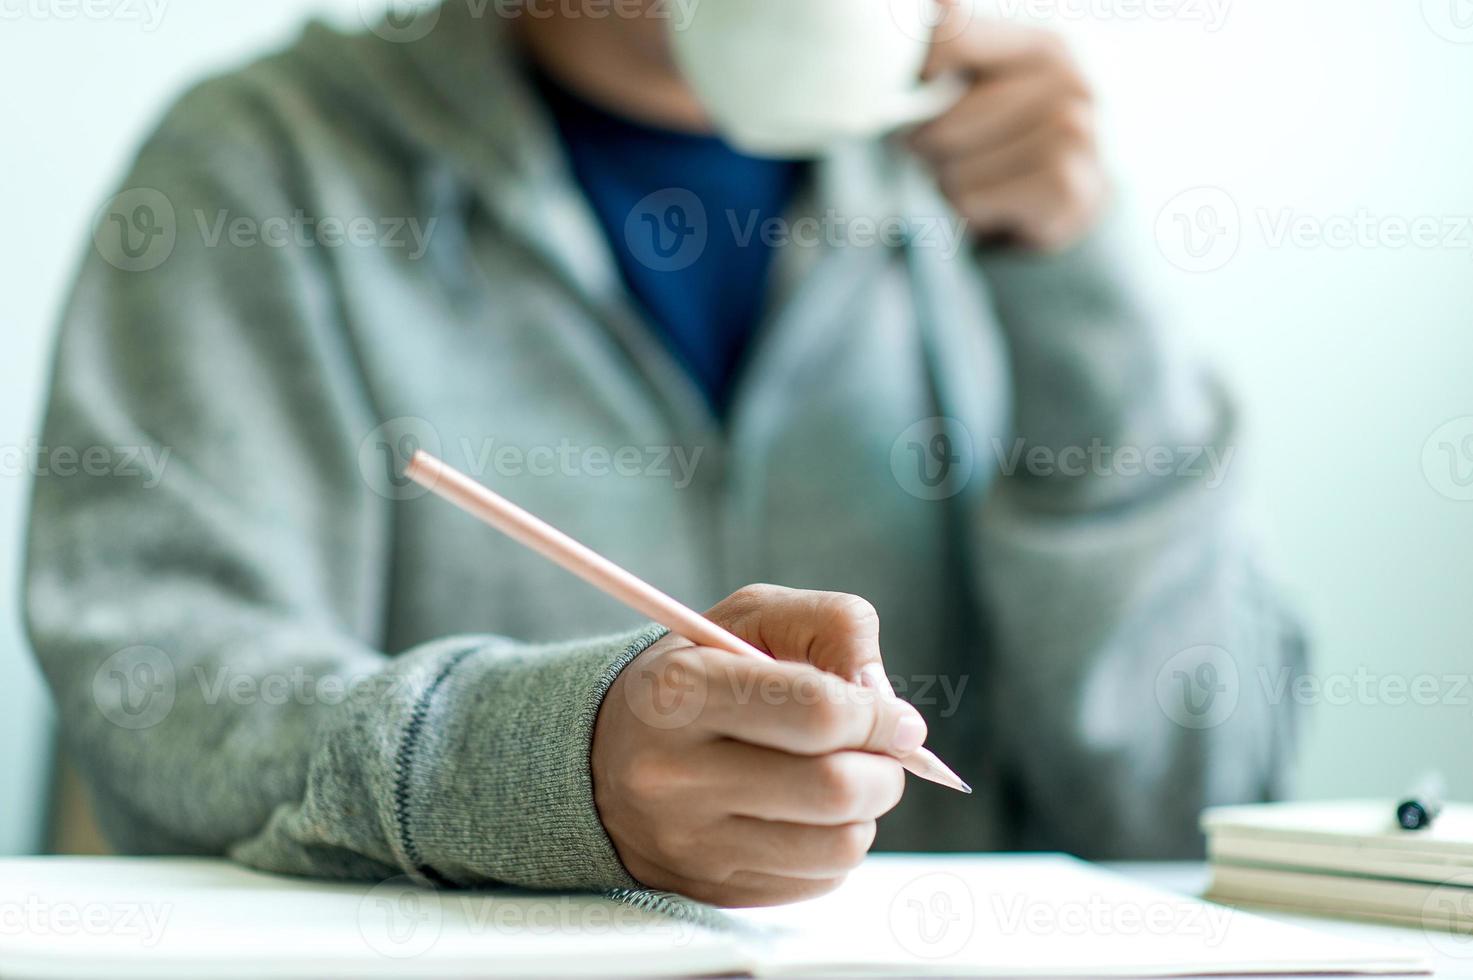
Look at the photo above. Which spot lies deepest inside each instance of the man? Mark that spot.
(278, 651)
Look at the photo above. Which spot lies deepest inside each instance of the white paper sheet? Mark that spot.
(121, 918)
(1039, 915)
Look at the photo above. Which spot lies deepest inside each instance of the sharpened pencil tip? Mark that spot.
(925, 763)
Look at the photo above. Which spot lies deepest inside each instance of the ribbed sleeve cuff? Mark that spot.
(492, 777)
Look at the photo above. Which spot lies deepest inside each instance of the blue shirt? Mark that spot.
(684, 215)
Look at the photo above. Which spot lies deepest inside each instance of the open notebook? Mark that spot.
(997, 916)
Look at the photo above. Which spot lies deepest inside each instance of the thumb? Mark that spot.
(898, 728)
(858, 716)
(838, 634)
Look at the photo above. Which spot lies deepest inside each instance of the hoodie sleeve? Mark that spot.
(1138, 646)
(206, 598)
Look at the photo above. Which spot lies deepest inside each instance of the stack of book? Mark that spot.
(1345, 859)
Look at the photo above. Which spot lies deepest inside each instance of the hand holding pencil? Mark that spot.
(730, 774)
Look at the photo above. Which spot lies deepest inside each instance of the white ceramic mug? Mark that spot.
(791, 77)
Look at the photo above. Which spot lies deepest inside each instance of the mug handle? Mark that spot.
(926, 101)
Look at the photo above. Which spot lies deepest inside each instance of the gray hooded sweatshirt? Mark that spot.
(264, 643)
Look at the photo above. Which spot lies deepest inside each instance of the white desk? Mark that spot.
(1449, 955)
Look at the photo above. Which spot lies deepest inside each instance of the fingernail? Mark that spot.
(910, 733)
(873, 677)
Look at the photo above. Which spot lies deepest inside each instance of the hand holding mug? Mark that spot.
(1016, 155)
(1003, 115)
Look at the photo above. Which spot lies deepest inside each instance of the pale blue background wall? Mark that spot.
(1350, 357)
